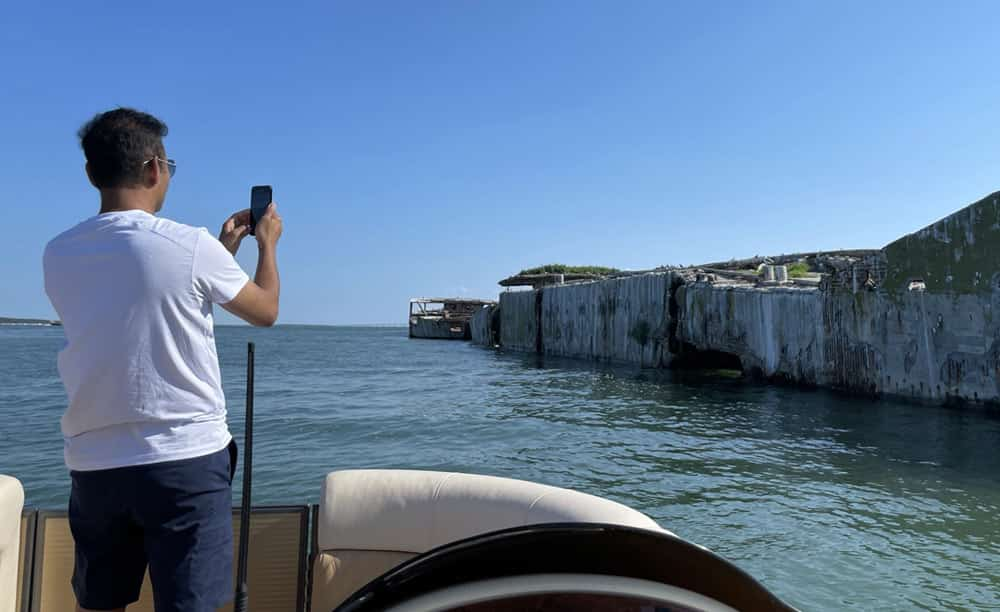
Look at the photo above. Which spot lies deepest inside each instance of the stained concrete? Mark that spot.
(937, 347)
(916, 345)
(957, 254)
(775, 331)
(482, 326)
(519, 329)
(437, 328)
(915, 319)
(618, 320)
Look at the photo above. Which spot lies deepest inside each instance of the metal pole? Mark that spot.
(240, 605)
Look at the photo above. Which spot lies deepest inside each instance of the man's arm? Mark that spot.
(257, 302)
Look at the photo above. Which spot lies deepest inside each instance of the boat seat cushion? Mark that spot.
(371, 520)
(11, 505)
(415, 511)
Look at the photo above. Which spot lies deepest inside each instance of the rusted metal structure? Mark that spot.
(443, 318)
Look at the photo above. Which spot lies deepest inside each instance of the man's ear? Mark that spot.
(151, 174)
(90, 177)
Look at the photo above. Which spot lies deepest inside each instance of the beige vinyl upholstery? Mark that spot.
(11, 505)
(27, 549)
(339, 573)
(372, 520)
(275, 572)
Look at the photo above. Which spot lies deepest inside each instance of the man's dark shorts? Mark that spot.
(175, 515)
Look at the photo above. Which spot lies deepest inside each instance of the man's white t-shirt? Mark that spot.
(135, 295)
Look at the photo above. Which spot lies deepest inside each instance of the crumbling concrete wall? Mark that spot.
(775, 331)
(519, 327)
(915, 344)
(434, 329)
(620, 320)
(868, 327)
(481, 326)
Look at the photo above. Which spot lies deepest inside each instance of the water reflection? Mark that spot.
(721, 403)
(878, 491)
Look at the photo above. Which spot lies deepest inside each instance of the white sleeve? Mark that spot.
(215, 273)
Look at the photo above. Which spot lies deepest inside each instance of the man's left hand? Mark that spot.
(234, 229)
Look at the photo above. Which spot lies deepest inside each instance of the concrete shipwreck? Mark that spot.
(443, 318)
(918, 319)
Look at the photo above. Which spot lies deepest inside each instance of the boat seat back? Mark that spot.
(11, 505)
(372, 520)
(276, 571)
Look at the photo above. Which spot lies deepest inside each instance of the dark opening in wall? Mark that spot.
(673, 311)
(494, 327)
(691, 358)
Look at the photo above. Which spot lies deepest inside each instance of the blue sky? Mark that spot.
(428, 148)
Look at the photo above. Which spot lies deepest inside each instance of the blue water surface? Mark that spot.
(833, 502)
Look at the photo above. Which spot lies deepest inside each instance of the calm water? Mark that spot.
(834, 503)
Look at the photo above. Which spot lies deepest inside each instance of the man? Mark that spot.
(150, 456)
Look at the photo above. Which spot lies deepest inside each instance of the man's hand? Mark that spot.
(234, 229)
(268, 229)
(257, 302)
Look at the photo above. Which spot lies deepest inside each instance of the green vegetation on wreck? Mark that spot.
(564, 269)
(795, 270)
(798, 269)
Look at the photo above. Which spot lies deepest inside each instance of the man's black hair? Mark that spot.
(117, 143)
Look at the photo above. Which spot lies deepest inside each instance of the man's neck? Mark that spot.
(117, 200)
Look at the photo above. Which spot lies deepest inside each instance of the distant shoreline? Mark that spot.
(16, 321)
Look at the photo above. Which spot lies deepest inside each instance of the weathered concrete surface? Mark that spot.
(519, 329)
(916, 319)
(776, 331)
(481, 326)
(919, 345)
(958, 254)
(915, 344)
(621, 320)
(438, 328)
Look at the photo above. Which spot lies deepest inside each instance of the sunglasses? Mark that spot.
(171, 164)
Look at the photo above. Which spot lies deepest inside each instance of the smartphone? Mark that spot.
(260, 197)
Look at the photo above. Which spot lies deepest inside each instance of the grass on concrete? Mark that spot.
(564, 269)
(798, 269)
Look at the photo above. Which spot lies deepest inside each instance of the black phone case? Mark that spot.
(257, 212)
